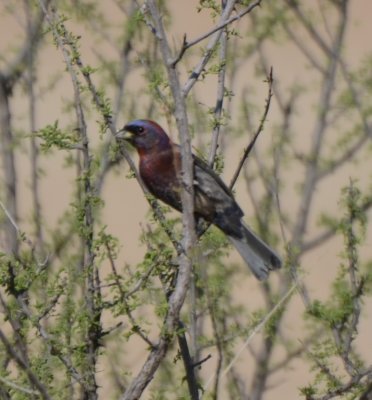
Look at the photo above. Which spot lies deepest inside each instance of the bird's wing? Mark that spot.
(206, 181)
(203, 169)
(214, 201)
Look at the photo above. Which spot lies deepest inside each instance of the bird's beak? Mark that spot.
(123, 134)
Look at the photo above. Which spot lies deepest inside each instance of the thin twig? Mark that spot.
(218, 109)
(257, 329)
(319, 133)
(53, 346)
(223, 23)
(24, 366)
(197, 70)
(259, 130)
(17, 387)
(202, 361)
(10, 218)
(123, 296)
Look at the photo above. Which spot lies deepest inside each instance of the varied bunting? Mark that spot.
(160, 169)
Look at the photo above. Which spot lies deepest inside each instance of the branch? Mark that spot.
(329, 233)
(177, 298)
(92, 292)
(345, 388)
(314, 33)
(259, 130)
(24, 366)
(9, 165)
(106, 163)
(52, 345)
(219, 100)
(124, 296)
(16, 67)
(209, 49)
(188, 363)
(17, 387)
(256, 329)
(318, 135)
(34, 153)
(223, 23)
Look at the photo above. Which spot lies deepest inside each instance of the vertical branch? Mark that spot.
(220, 94)
(229, 7)
(188, 362)
(93, 292)
(195, 324)
(92, 295)
(187, 194)
(9, 166)
(344, 333)
(319, 130)
(8, 79)
(86, 195)
(30, 79)
(258, 132)
(177, 298)
(219, 344)
(126, 50)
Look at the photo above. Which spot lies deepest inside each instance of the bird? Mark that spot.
(160, 169)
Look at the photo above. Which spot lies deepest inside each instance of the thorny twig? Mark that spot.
(92, 290)
(259, 130)
(124, 299)
(24, 366)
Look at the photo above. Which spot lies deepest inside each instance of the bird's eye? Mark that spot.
(140, 129)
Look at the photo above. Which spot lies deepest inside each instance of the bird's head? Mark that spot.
(144, 135)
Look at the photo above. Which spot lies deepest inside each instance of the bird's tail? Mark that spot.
(256, 253)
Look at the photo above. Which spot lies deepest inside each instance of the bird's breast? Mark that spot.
(162, 179)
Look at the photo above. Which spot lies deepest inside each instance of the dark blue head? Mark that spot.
(144, 135)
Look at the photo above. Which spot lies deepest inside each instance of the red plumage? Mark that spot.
(160, 169)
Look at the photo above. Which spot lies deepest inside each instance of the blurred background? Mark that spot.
(306, 182)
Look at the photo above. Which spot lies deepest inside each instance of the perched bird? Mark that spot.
(160, 169)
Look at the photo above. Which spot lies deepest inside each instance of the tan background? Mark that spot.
(125, 208)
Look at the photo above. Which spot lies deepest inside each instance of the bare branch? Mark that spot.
(259, 130)
(123, 297)
(197, 70)
(219, 98)
(223, 23)
(257, 329)
(17, 387)
(188, 363)
(319, 132)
